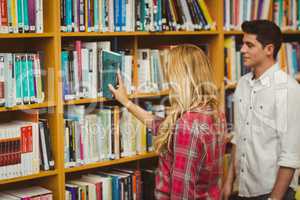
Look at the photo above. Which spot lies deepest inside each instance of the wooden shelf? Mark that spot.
(111, 162)
(233, 33)
(89, 34)
(84, 101)
(28, 106)
(26, 35)
(239, 32)
(291, 32)
(102, 99)
(30, 177)
(147, 95)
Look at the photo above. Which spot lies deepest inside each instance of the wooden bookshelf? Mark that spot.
(83, 34)
(27, 35)
(111, 162)
(42, 174)
(28, 106)
(51, 43)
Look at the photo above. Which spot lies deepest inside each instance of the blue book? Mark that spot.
(31, 85)
(111, 62)
(96, 15)
(24, 78)
(26, 15)
(69, 15)
(65, 74)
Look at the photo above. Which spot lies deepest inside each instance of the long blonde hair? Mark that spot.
(189, 73)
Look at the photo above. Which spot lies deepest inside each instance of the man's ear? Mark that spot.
(269, 49)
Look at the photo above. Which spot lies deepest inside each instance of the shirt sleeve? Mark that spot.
(188, 154)
(155, 125)
(287, 120)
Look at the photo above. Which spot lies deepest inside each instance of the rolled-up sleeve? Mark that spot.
(288, 125)
(155, 125)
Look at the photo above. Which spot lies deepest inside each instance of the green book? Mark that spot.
(24, 78)
(20, 16)
(32, 93)
(112, 62)
(26, 15)
(18, 73)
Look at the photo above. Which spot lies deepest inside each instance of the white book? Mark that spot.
(30, 192)
(127, 74)
(85, 72)
(75, 75)
(143, 70)
(3, 66)
(44, 155)
(111, 25)
(4, 196)
(92, 68)
(189, 23)
(75, 24)
(104, 45)
(106, 184)
(89, 188)
(39, 16)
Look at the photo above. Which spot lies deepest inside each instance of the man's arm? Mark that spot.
(284, 178)
(287, 118)
(228, 184)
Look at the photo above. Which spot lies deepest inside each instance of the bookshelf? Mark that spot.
(51, 43)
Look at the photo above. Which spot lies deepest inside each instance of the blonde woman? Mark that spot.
(190, 140)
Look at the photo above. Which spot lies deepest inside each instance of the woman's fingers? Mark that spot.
(111, 88)
(119, 78)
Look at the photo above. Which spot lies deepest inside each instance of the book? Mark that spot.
(112, 62)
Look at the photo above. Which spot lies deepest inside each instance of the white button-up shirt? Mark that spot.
(267, 130)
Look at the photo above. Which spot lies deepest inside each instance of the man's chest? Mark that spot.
(256, 100)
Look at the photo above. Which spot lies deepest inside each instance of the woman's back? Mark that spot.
(193, 166)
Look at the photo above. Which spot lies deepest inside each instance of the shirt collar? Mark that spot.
(265, 78)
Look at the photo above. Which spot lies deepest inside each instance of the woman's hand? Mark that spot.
(120, 93)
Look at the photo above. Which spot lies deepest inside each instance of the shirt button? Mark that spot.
(250, 107)
(244, 139)
(247, 123)
(254, 91)
(242, 170)
(243, 155)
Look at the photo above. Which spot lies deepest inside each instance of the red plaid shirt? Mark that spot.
(193, 168)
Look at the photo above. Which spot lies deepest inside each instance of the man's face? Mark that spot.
(252, 50)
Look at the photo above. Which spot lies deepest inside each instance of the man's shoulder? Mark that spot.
(243, 80)
(281, 78)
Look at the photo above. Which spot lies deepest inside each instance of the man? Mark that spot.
(266, 144)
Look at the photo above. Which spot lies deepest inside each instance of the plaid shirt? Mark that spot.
(193, 168)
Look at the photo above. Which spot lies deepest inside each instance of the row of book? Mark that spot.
(25, 148)
(286, 14)
(97, 134)
(115, 184)
(20, 79)
(288, 59)
(238, 11)
(20, 16)
(28, 193)
(88, 68)
(134, 15)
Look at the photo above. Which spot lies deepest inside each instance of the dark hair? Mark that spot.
(267, 32)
